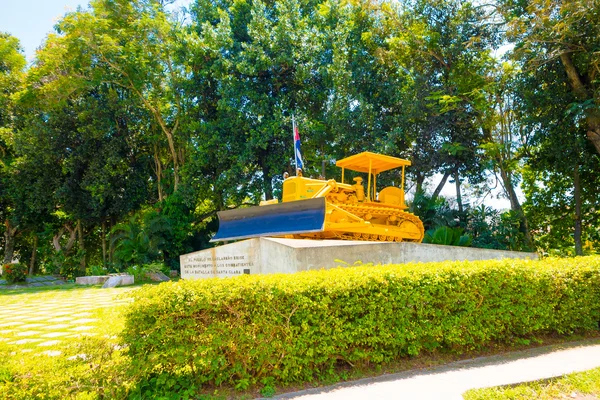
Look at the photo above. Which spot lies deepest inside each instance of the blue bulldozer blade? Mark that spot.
(288, 218)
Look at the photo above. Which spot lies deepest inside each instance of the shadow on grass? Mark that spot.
(65, 287)
(38, 289)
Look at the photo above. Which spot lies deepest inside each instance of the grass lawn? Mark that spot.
(42, 317)
(578, 386)
(60, 342)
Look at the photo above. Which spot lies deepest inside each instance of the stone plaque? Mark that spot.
(223, 261)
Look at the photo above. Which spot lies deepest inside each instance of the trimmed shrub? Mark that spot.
(294, 328)
(14, 273)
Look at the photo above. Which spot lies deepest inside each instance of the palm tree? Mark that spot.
(138, 241)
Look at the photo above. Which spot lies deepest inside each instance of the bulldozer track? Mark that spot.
(366, 237)
(401, 217)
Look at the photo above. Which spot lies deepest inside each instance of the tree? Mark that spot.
(82, 149)
(555, 46)
(445, 47)
(365, 95)
(563, 211)
(256, 63)
(132, 45)
(506, 138)
(12, 64)
(561, 182)
(554, 33)
(128, 111)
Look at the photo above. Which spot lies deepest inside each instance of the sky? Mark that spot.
(31, 20)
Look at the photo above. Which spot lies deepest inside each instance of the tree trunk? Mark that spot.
(578, 224)
(33, 255)
(593, 133)
(103, 241)
(170, 140)
(458, 194)
(268, 188)
(81, 247)
(440, 185)
(56, 239)
(515, 205)
(509, 190)
(581, 92)
(169, 132)
(72, 236)
(9, 242)
(111, 245)
(158, 171)
(267, 177)
(419, 180)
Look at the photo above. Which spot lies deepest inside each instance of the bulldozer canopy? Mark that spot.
(377, 162)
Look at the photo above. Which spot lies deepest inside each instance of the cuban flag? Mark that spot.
(298, 155)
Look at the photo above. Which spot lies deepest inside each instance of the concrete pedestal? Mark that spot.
(110, 280)
(91, 280)
(274, 255)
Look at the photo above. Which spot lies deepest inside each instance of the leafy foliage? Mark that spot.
(294, 328)
(66, 265)
(14, 273)
(12, 64)
(433, 211)
(447, 236)
(140, 272)
(139, 241)
(555, 35)
(492, 229)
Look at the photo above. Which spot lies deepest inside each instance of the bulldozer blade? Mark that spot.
(288, 218)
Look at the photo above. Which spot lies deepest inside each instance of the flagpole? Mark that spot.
(294, 144)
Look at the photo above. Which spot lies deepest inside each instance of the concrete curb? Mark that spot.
(451, 380)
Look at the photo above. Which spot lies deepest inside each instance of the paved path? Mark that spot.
(36, 281)
(450, 381)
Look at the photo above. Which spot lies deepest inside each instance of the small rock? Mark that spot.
(127, 280)
(157, 277)
(118, 280)
(113, 281)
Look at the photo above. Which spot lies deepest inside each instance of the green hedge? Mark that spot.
(295, 328)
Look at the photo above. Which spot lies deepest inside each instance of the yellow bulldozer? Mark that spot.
(326, 209)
